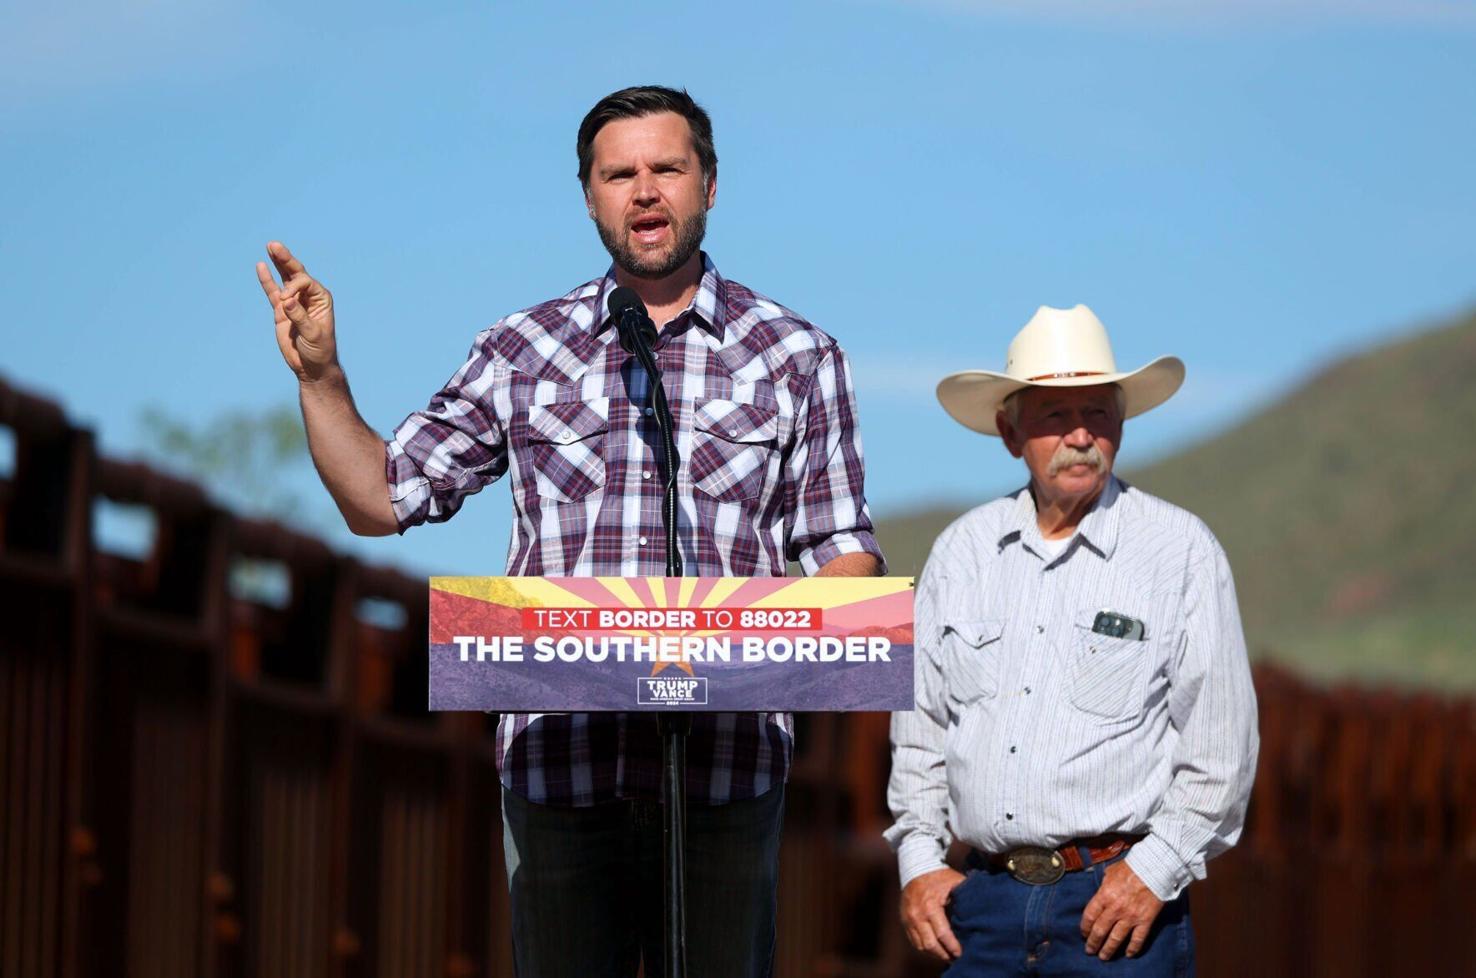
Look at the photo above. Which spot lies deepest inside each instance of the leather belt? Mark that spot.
(1039, 866)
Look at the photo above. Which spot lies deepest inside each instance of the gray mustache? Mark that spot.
(1067, 455)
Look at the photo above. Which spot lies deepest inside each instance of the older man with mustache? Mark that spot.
(1085, 718)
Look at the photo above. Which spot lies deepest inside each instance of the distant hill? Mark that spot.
(1348, 509)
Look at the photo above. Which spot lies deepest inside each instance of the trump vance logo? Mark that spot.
(674, 691)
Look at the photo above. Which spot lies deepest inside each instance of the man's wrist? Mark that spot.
(838, 545)
(1159, 867)
(858, 564)
(331, 377)
(918, 855)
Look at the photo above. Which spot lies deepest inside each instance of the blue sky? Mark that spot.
(1255, 187)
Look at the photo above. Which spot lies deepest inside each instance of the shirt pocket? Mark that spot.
(1107, 674)
(731, 445)
(566, 444)
(971, 653)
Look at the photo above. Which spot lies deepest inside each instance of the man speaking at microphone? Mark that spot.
(770, 471)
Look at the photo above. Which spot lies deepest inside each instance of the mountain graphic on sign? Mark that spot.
(896, 634)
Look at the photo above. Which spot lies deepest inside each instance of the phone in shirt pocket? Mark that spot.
(1110, 660)
(971, 658)
(566, 446)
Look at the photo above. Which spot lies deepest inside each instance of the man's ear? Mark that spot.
(589, 204)
(711, 189)
(1009, 434)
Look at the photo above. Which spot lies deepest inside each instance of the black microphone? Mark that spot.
(637, 333)
(637, 336)
(631, 318)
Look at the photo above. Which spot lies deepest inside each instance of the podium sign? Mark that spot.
(577, 644)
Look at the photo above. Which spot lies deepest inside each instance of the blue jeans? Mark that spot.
(1011, 928)
(586, 887)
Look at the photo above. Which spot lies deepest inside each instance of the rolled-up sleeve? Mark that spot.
(457, 445)
(917, 791)
(1212, 705)
(825, 475)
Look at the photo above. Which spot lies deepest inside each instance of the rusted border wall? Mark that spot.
(195, 784)
(200, 785)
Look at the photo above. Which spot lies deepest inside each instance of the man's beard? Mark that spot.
(687, 236)
(1066, 455)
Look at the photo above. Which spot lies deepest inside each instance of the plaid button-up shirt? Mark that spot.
(771, 471)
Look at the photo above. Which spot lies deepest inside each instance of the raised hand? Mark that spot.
(303, 312)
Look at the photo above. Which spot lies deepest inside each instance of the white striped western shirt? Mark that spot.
(1032, 729)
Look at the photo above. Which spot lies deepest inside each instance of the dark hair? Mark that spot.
(642, 100)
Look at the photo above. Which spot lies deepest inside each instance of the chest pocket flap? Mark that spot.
(732, 444)
(564, 424)
(971, 654)
(566, 447)
(736, 421)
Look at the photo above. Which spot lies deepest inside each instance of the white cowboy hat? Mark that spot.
(1057, 348)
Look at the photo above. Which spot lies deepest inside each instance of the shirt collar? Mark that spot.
(1098, 529)
(708, 308)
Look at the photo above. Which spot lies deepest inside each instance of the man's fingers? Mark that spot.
(298, 316)
(938, 920)
(921, 937)
(1091, 913)
(1139, 938)
(268, 284)
(1118, 934)
(929, 944)
(287, 265)
(298, 284)
(1101, 927)
(929, 932)
(923, 915)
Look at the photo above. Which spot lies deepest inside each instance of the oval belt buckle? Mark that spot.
(1034, 865)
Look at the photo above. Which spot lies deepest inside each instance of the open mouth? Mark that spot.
(650, 229)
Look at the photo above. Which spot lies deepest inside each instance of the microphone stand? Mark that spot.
(674, 727)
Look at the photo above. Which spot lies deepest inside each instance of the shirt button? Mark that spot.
(1027, 690)
(650, 411)
(566, 436)
(733, 432)
(1013, 749)
(643, 541)
(645, 475)
(1009, 816)
(1040, 629)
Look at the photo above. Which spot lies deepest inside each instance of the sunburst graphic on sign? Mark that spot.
(533, 645)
